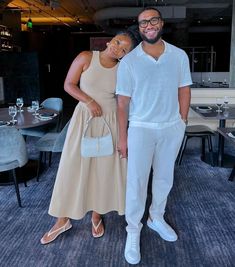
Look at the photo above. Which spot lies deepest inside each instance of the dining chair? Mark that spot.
(54, 103)
(200, 131)
(52, 143)
(13, 153)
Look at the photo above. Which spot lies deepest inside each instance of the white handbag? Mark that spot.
(96, 146)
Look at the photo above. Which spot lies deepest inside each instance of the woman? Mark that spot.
(90, 184)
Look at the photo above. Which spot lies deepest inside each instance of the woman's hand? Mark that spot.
(95, 108)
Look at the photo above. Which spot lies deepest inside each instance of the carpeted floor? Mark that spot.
(201, 207)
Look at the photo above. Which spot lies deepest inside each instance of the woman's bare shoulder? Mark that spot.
(84, 56)
(83, 59)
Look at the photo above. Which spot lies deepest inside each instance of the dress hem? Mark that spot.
(120, 213)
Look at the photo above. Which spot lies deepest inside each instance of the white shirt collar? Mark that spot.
(141, 52)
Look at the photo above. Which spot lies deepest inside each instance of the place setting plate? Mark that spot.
(204, 109)
(4, 123)
(46, 116)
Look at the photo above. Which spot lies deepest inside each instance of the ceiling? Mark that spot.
(106, 15)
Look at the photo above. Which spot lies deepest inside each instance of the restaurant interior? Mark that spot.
(38, 41)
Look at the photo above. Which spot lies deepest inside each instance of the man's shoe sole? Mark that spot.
(132, 262)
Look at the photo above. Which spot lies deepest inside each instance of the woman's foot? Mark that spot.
(60, 227)
(97, 225)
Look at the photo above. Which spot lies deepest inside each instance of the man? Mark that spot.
(154, 95)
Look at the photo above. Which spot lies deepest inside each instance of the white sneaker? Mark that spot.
(132, 248)
(163, 229)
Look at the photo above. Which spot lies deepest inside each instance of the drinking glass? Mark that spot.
(12, 110)
(35, 107)
(219, 104)
(226, 100)
(20, 103)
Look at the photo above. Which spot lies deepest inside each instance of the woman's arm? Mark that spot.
(78, 66)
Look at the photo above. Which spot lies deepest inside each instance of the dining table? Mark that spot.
(209, 112)
(27, 119)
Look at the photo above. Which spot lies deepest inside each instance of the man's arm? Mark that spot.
(123, 112)
(184, 96)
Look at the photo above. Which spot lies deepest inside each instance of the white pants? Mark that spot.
(150, 147)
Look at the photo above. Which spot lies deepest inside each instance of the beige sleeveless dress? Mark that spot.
(91, 184)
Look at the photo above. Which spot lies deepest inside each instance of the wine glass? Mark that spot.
(226, 100)
(219, 104)
(35, 107)
(12, 110)
(20, 103)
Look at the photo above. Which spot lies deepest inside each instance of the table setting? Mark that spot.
(26, 117)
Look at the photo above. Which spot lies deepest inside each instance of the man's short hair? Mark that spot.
(151, 8)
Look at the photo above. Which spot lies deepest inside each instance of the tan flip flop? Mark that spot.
(55, 233)
(96, 228)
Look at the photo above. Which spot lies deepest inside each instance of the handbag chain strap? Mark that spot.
(88, 123)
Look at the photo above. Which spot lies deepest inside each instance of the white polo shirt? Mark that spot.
(153, 85)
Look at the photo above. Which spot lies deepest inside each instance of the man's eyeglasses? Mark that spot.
(153, 21)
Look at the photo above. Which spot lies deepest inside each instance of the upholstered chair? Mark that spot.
(51, 142)
(13, 153)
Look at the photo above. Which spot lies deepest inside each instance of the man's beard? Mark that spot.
(151, 41)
